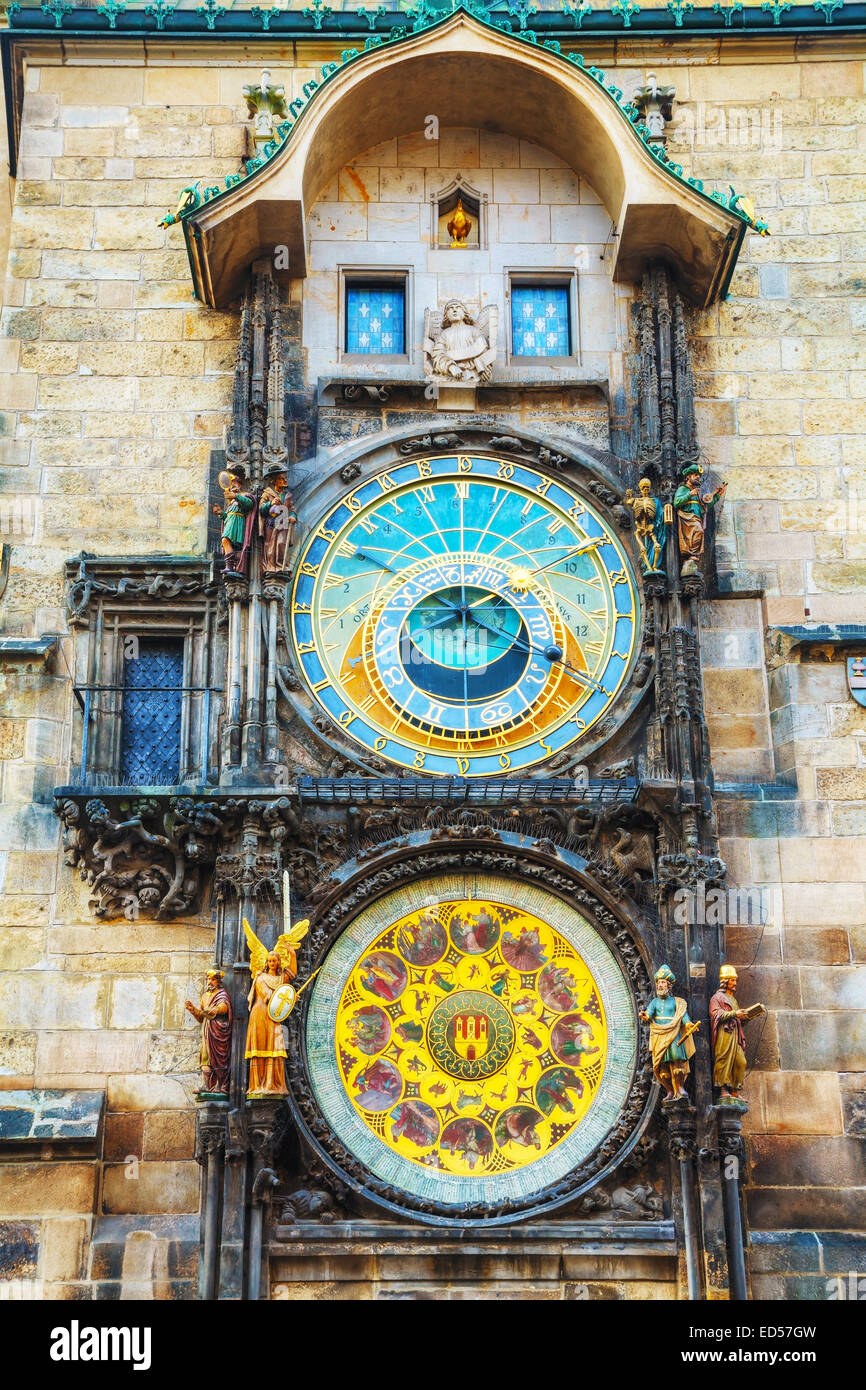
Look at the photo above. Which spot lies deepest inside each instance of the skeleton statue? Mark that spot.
(457, 346)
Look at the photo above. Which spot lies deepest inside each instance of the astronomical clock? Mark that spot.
(471, 1037)
(414, 731)
(464, 615)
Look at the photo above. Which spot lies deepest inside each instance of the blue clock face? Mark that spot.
(464, 616)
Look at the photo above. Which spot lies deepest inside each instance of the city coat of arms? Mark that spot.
(856, 667)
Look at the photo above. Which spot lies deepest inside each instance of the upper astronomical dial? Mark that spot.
(463, 615)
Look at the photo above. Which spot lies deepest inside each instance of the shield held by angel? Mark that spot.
(459, 346)
(266, 1040)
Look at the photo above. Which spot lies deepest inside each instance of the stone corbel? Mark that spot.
(638, 1203)
(656, 107)
(355, 391)
(266, 105)
(141, 856)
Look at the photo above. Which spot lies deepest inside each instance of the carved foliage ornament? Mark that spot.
(617, 841)
(145, 856)
(149, 585)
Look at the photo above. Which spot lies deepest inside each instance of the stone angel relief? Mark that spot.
(457, 346)
(271, 999)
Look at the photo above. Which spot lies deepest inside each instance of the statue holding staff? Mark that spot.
(277, 522)
(691, 507)
(671, 1029)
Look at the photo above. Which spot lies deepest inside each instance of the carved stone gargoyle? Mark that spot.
(638, 1203)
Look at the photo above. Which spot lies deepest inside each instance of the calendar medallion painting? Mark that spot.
(468, 1036)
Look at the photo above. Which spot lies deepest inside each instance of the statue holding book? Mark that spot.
(728, 1040)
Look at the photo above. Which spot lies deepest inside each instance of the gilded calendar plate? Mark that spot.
(468, 1037)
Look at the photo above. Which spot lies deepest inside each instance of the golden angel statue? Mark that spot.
(457, 346)
(266, 1040)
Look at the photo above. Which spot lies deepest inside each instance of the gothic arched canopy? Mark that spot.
(458, 71)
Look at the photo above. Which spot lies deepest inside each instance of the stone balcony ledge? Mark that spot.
(38, 650)
(374, 385)
(565, 1236)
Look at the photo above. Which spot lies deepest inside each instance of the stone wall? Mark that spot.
(780, 373)
(115, 389)
(539, 215)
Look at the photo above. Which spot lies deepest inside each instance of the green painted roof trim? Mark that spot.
(678, 19)
(425, 17)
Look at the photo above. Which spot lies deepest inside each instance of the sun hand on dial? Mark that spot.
(553, 654)
(522, 575)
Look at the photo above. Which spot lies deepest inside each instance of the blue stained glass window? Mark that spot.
(375, 318)
(540, 324)
(151, 719)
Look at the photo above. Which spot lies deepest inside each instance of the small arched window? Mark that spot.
(458, 217)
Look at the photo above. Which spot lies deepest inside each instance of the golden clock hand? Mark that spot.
(575, 550)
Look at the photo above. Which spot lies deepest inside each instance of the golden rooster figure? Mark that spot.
(266, 1040)
(460, 226)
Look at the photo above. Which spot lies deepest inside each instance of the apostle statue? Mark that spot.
(277, 522)
(458, 347)
(650, 528)
(266, 1040)
(726, 1027)
(237, 514)
(671, 1042)
(691, 507)
(214, 1013)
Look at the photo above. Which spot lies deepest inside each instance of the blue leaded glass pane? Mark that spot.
(540, 321)
(374, 319)
(150, 724)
